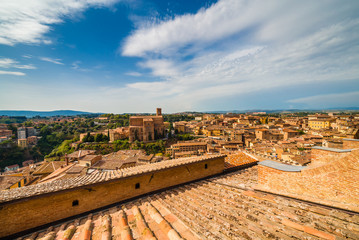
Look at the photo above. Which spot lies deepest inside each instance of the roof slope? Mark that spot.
(223, 207)
(95, 177)
(8, 181)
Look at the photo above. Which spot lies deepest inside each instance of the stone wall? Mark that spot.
(335, 182)
(27, 213)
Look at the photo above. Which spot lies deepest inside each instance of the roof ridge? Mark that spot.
(97, 177)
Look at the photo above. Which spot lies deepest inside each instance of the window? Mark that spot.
(75, 203)
(137, 186)
(205, 166)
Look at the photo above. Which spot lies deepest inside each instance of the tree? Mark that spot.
(45, 130)
(185, 137)
(13, 129)
(98, 138)
(88, 138)
(10, 154)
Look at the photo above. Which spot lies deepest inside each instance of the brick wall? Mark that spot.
(319, 156)
(334, 183)
(24, 214)
(136, 121)
(350, 144)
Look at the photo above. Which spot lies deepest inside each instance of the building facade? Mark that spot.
(21, 133)
(147, 128)
(187, 148)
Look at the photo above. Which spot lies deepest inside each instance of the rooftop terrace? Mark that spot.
(223, 207)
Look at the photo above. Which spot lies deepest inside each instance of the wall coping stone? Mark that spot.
(281, 166)
(350, 139)
(96, 177)
(332, 149)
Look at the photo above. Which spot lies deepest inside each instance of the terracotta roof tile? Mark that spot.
(94, 177)
(222, 207)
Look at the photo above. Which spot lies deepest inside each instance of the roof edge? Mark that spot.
(281, 166)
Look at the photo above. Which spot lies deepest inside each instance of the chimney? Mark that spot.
(159, 112)
(66, 159)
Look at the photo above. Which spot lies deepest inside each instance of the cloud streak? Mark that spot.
(12, 73)
(52, 60)
(28, 22)
(133, 74)
(333, 99)
(76, 66)
(11, 63)
(237, 47)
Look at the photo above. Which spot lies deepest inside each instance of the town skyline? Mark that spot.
(122, 56)
(33, 113)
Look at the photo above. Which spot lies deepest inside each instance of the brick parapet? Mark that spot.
(334, 182)
(96, 178)
(27, 212)
(350, 143)
(320, 156)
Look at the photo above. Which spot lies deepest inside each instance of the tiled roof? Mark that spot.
(89, 157)
(190, 144)
(223, 207)
(75, 169)
(13, 166)
(124, 154)
(94, 177)
(81, 152)
(56, 173)
(113, 164)
(8, 181)
(49, 167)
(238, 159)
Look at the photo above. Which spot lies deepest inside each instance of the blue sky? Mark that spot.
(192, 55)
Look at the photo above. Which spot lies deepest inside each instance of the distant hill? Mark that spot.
(284, 110)
(30, 114)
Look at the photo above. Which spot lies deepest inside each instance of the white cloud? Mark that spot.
(12, 73)
(220, 20)
(265, 20)
(76, 66)
(347, 99)
(238, 47)
(222, 54)
(30, 66)
(10, 63)
(52, 60)
(134, 74)
(161, 67)
(24, 21)
(6, 62)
